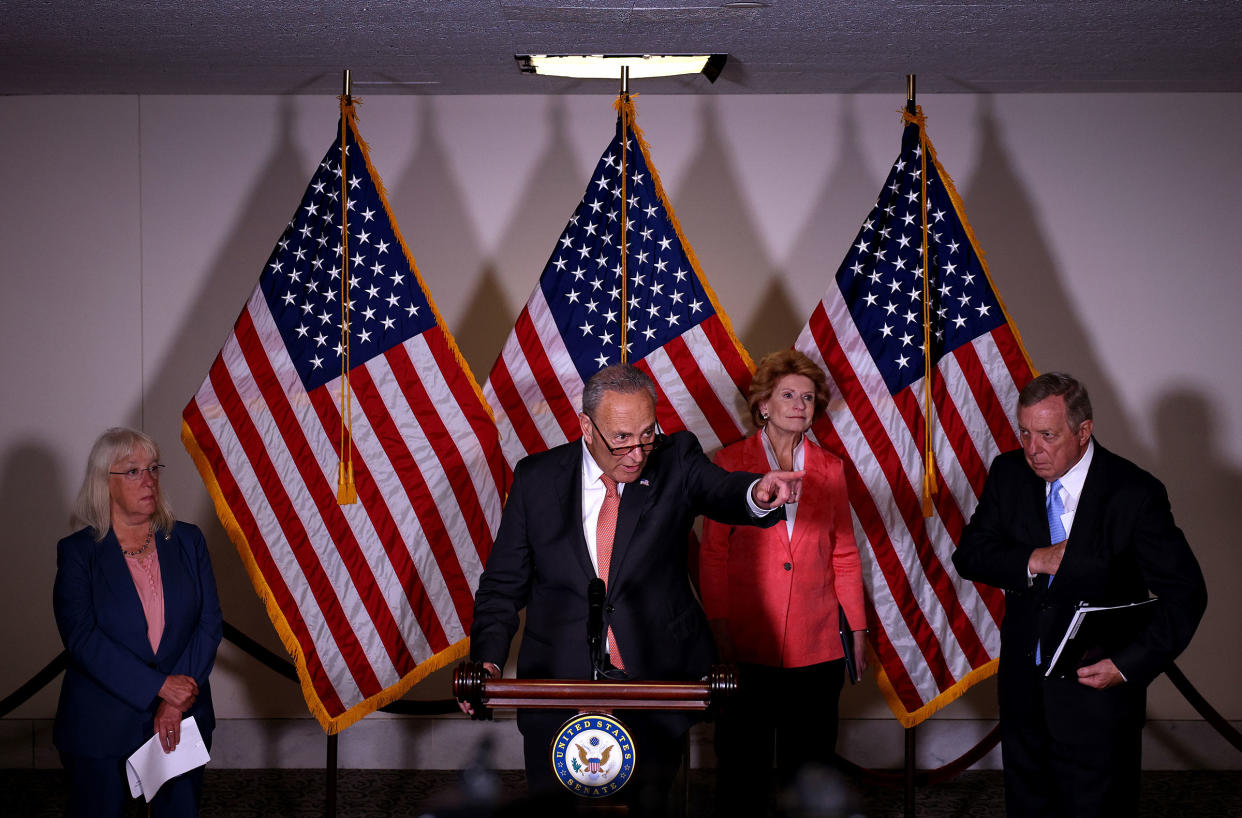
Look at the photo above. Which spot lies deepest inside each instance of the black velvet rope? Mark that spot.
(437, 707)
(285, 668)
(1202, 707)
(36, 683)
(272, 661)
(922, 778)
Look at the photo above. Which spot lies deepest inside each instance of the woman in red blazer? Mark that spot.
(771, 595)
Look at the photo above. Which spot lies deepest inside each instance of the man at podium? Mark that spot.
(617, 505)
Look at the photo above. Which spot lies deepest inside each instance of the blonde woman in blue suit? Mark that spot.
(136, 605)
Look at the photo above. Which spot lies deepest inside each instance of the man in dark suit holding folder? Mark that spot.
(1063, 521)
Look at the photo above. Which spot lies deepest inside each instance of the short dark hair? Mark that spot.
(1053, 384)
(776, 365)
(622, 378)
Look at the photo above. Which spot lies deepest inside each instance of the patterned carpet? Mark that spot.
(391, 793)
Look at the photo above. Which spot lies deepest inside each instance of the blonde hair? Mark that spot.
(776, 365)
(93, 507)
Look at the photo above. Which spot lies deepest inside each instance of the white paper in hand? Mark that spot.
(149, 767)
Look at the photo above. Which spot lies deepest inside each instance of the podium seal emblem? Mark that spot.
(593, 755)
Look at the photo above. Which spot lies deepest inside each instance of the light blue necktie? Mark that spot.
(1056, 532)
(1056, 529)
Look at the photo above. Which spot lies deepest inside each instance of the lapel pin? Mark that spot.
(644, 482)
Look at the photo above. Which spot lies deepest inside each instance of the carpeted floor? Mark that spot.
(391, 793)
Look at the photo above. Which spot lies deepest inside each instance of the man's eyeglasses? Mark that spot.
(656, 442)
(136, 474)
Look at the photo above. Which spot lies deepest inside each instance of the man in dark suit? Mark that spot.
(551, 544)
(1064, 521)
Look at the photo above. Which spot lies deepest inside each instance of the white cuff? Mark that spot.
(755, 510)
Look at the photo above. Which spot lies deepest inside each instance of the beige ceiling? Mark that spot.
(468, 46)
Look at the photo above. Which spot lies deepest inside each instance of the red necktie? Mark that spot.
(605, 532)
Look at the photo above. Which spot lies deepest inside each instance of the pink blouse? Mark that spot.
(146, 573)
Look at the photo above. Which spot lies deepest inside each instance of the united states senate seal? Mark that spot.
(593, 755)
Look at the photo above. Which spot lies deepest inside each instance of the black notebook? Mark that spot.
(1095, 632)
(847, 644)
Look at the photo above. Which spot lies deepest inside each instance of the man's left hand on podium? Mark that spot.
(494, 673)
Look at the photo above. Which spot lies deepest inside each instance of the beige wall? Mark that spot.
(133, 228)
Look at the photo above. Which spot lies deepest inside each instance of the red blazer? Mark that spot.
(780, 594)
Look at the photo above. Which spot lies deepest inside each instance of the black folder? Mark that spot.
(1095, 632)
(847, 644)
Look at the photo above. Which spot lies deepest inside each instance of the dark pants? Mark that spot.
(1069, 750)
(98, 788)
(659, 741)
(786, 714)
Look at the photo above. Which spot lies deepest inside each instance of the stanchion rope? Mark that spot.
(435, 707)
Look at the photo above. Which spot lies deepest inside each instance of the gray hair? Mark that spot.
(621, 378)
(93, 507)
(1054, 384)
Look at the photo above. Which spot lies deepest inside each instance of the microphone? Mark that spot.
(595, 622)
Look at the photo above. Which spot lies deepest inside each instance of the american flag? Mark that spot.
(368, 597)
(571, 326)
(934, 633)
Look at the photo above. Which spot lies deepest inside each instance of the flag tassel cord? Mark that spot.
(625, 109)
(346, 490)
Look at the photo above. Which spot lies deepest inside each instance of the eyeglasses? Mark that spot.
(136, 474)
(620, 451)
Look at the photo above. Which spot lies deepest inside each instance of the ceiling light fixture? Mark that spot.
(608, 66)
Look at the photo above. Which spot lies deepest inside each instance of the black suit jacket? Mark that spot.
(1123, 544)
(540, 562)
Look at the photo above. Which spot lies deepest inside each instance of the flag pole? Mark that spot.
(625, 130)
(346, 491)
(929, 408)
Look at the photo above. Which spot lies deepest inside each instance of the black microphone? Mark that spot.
(595, 622)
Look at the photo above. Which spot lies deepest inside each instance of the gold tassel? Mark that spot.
(346, 491)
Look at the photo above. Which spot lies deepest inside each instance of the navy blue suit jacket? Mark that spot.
(110, 690)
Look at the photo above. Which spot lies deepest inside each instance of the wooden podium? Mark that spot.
(471, 684)
(576, 762)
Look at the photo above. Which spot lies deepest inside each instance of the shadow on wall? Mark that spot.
(1036, 294)
(553, 191)
(30, 475)
(429, 205)
(710, 202)
(230, 280)
(833, 220)
(1204, 490)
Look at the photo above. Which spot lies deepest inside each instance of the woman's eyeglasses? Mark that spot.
(136, 474)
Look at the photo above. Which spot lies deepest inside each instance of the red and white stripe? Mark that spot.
(934, 627)
(368, 591)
